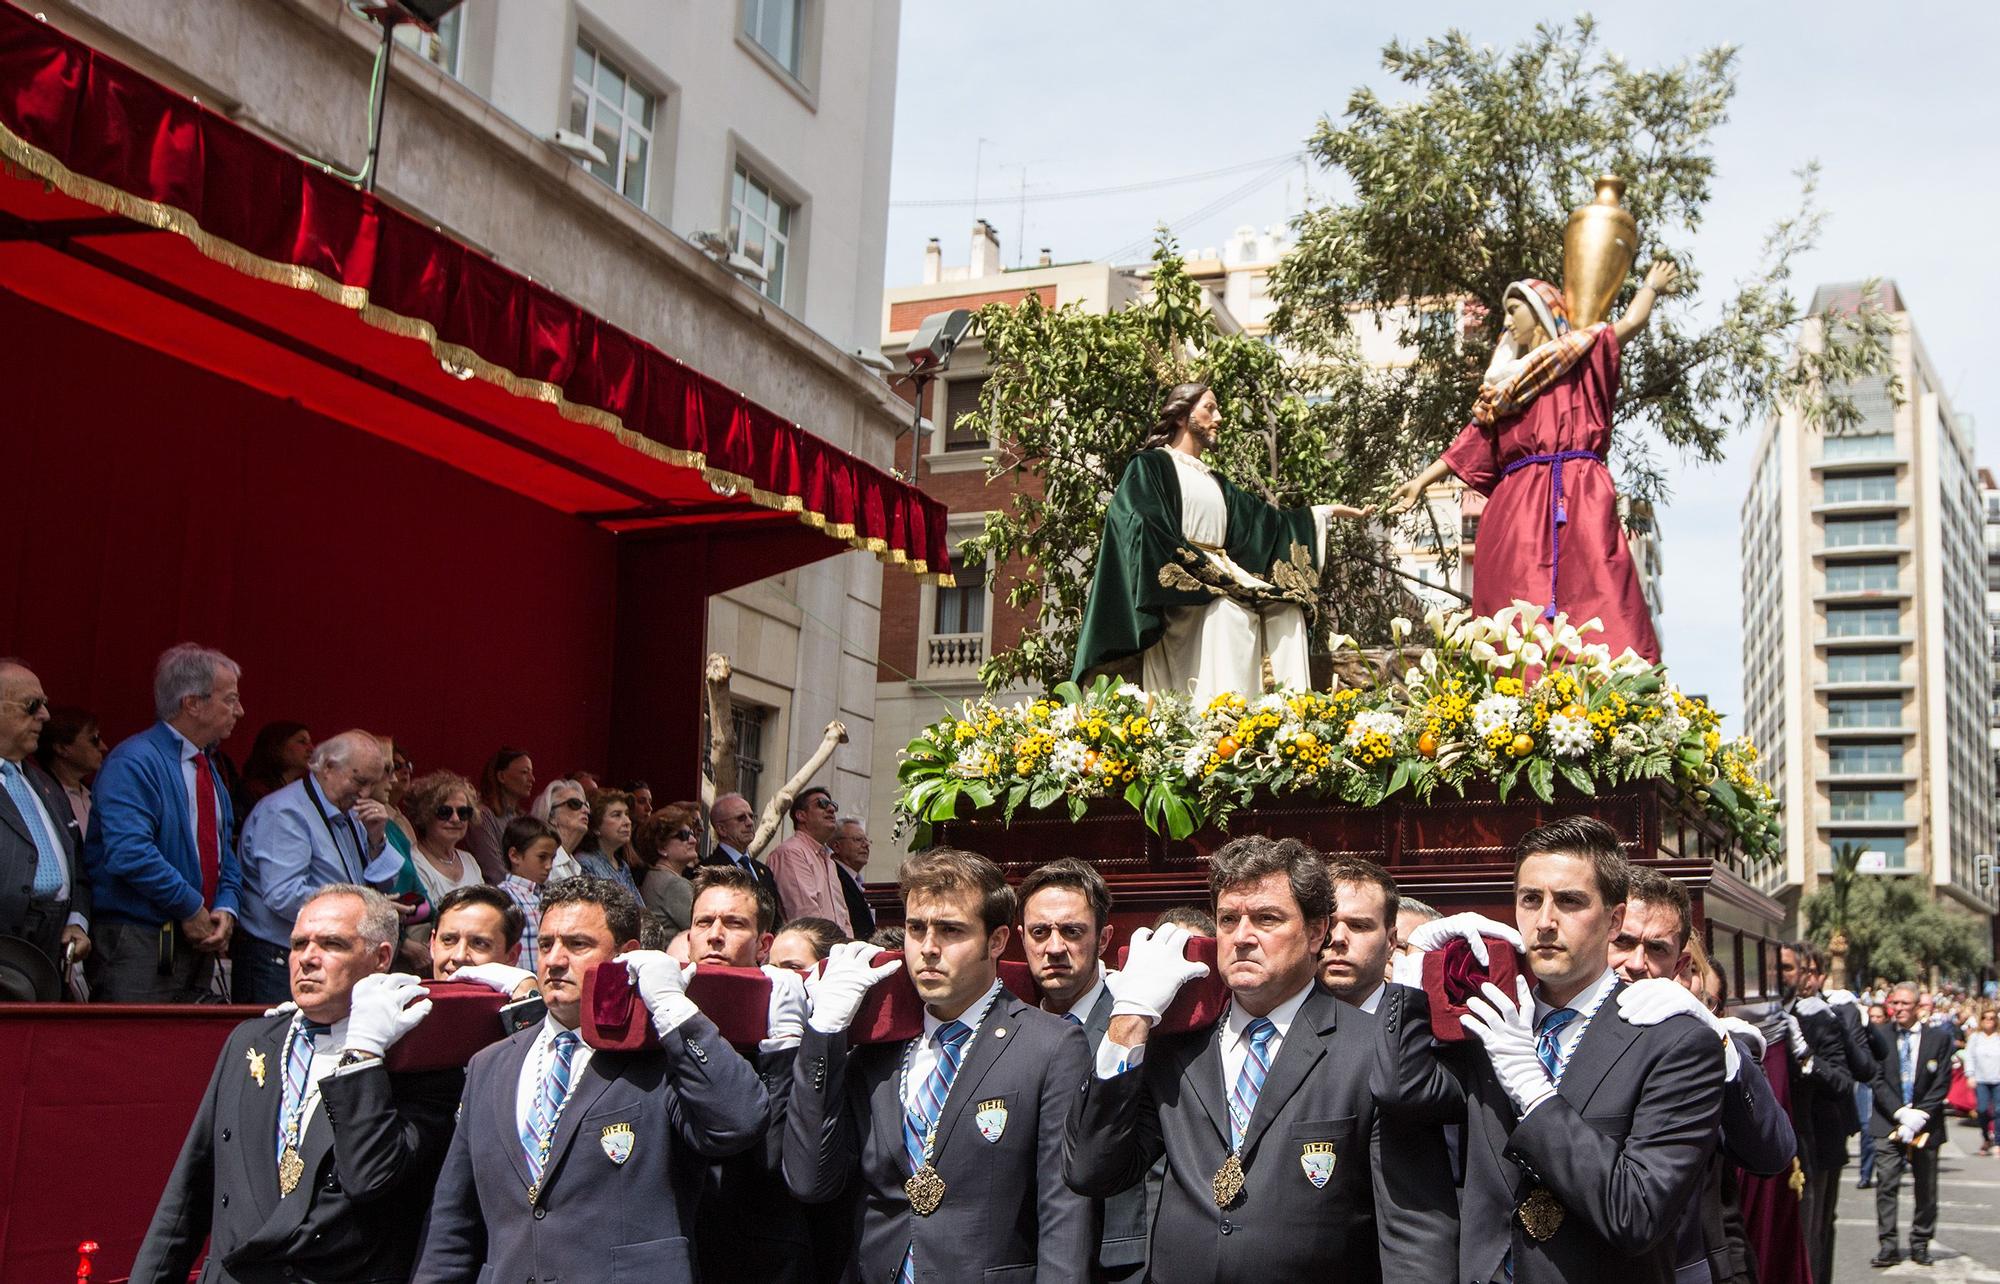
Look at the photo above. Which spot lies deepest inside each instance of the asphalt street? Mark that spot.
(1967, 1246)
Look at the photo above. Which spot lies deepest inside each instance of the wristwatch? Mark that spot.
(354, 1058)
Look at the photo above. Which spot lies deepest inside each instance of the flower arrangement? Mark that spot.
(1509, 699)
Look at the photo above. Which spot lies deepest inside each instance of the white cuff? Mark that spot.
(677, 1008)
(365, 1064)
(1114, 1059)
(1540, 1097)
(80, 922)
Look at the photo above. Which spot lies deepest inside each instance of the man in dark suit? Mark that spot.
(1266, 1120)
(1912, 1076)
(850, 858)
(1065, 931)
(735, 825)
(1651, 952)
(1586, 1135)
(161, 850)
(44, 896)
(308, 1159)
(573, 1163)
(1822, 1098)
(956, 1134)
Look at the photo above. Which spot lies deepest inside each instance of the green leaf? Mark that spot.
(1180, 818)
(1541, 778)
(1044, 794)
(1505, 780)
(1135, 795)
(1399, 778)
(1579, 778)
(979, 792)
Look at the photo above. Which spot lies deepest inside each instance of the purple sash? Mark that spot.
(1558, 515)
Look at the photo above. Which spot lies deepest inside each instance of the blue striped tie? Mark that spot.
(48, 861)
(539, 1135)
(918, 1120)
(298, 1063)
(1909, 1066)
(1250, 1079)
(1547, 1030)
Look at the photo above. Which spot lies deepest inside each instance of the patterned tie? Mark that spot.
(1072, 1018)
(207, 842)
(298, 1066)
(1250, 1079)
(1547, 1031)
(540, 1133)
(48, 861)
(1909, 1066)
(917, 1120)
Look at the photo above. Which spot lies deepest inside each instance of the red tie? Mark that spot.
(204, 829)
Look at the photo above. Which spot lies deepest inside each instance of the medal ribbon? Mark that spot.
(298, 1066)
(920, 1121)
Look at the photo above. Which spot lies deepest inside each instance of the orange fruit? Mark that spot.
(1227, 749)
(1427, 745)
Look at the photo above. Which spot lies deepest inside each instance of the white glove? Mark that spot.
(1657, 998)
(382, 1013)
(1408, 969)
(785, 1023)
(1909, 1122)
(1839, 997)
(848, 977)
(1811, 1006)
(283, 1009)
(1796, 1036)
(1507, 1029)
(1469, 928)
(1744, 1035)
(1156, 967)
(662, 984)
(495, 976)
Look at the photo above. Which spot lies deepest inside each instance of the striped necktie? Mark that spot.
(920, 1118)
(298, 1067)
(1909, 1067)
(1547, 1031)
(540, 1132)
(1072, 1018)
(1250, 1079)
(48, 862)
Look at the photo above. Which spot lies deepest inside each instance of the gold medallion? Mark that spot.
(1228, 1183)
(1541, 1214)
(1797, 1181)
(925, 1190)
(290, 1169)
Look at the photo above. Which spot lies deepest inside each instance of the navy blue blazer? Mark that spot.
(625, 1168)
(140, 852)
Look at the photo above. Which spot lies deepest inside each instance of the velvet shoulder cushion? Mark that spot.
(1200, 1004)
(464, 1017)
(615, 1019)
(1452, 975)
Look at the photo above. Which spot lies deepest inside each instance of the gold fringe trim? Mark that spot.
(25, 160)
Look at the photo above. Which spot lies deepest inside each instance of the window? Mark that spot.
(1854, 532)
(1864, 711)
(1865, 759)
(964, 426)
(748, 719)
(1855, 488)
(775, 26)
(440, 46)
(614, 112)
(760, 229)
(1893, 847)
(1865, 666)
(1468, 529)
(1867, 445)
(1862, 577)
(1865, 804)
(1861, 621)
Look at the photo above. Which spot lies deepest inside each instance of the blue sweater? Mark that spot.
(140, 854)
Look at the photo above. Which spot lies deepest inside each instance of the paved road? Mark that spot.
(1967, 1246)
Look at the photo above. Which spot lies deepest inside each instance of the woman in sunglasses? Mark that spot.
(670, 844)
(71, 750)
(564, 807)
(442, 806)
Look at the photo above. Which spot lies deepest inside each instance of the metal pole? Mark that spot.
(378, 91)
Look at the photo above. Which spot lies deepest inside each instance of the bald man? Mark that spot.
(319, 830)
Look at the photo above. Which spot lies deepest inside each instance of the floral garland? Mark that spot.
(1509, 699)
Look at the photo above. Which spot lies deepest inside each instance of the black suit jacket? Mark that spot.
(371, 1154)
(19, 855)
(1282, 1226)
(1622, 1146)
(1933, 1078)
(1416, 1101)
(1823, 1095)
(750, 1229)
(758, 870)
(1006, 1214)
(1756, 1137)
(859, 912)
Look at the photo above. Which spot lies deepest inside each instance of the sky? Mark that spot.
(1897, 104)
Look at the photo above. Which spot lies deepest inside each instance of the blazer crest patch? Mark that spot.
(617, 1142)
(992, 1118)
(1316, 1158)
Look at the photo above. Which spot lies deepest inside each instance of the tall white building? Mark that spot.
(1865, 629)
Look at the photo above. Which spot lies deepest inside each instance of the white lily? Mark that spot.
(1399, 628)
(1340, 642)
(1434, 621)
(1532, 654)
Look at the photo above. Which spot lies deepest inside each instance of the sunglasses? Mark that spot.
(826, 804)
(30, 706)
(684, 835)
(446, 813)
(573, 804)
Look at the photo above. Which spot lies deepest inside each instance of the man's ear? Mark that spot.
(996, 942)
(1104, 938)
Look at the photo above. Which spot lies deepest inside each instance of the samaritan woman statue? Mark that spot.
(1535, 448)
(1200, 583)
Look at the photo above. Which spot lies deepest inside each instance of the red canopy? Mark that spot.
(142, 213)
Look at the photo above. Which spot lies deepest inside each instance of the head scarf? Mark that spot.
(1513, 380)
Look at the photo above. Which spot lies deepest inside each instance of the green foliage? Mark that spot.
(1895, 930)
(1467, 185)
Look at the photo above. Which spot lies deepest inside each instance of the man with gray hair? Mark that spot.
(160, 853)
(850, 860)
(309, 1159)
(321, 829)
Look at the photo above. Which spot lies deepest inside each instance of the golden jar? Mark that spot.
(1598, 248)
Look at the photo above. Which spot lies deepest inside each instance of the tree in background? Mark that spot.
(1450, 195)
(1893, 929)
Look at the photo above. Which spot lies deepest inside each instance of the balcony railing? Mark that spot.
(954, 655)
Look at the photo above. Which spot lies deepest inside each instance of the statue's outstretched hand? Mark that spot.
(1663, 276)
(1405, 498)
(1349, 511)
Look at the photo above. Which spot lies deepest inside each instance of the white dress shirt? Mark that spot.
(924, 1056)
(1235, 1040)
(1085, 1003)
(327, 1046)
(1374, 999)
(189, 752)
(536, 1065)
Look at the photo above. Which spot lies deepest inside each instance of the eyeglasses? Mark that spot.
(30, 706)
(684, 835)
(574, 804)
(826, 804)
(446, 813)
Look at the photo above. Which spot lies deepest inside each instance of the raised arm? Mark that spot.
(1660, 280)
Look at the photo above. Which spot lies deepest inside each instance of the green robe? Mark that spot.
(1126, 613)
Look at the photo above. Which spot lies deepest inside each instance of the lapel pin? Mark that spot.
(256, 1060)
